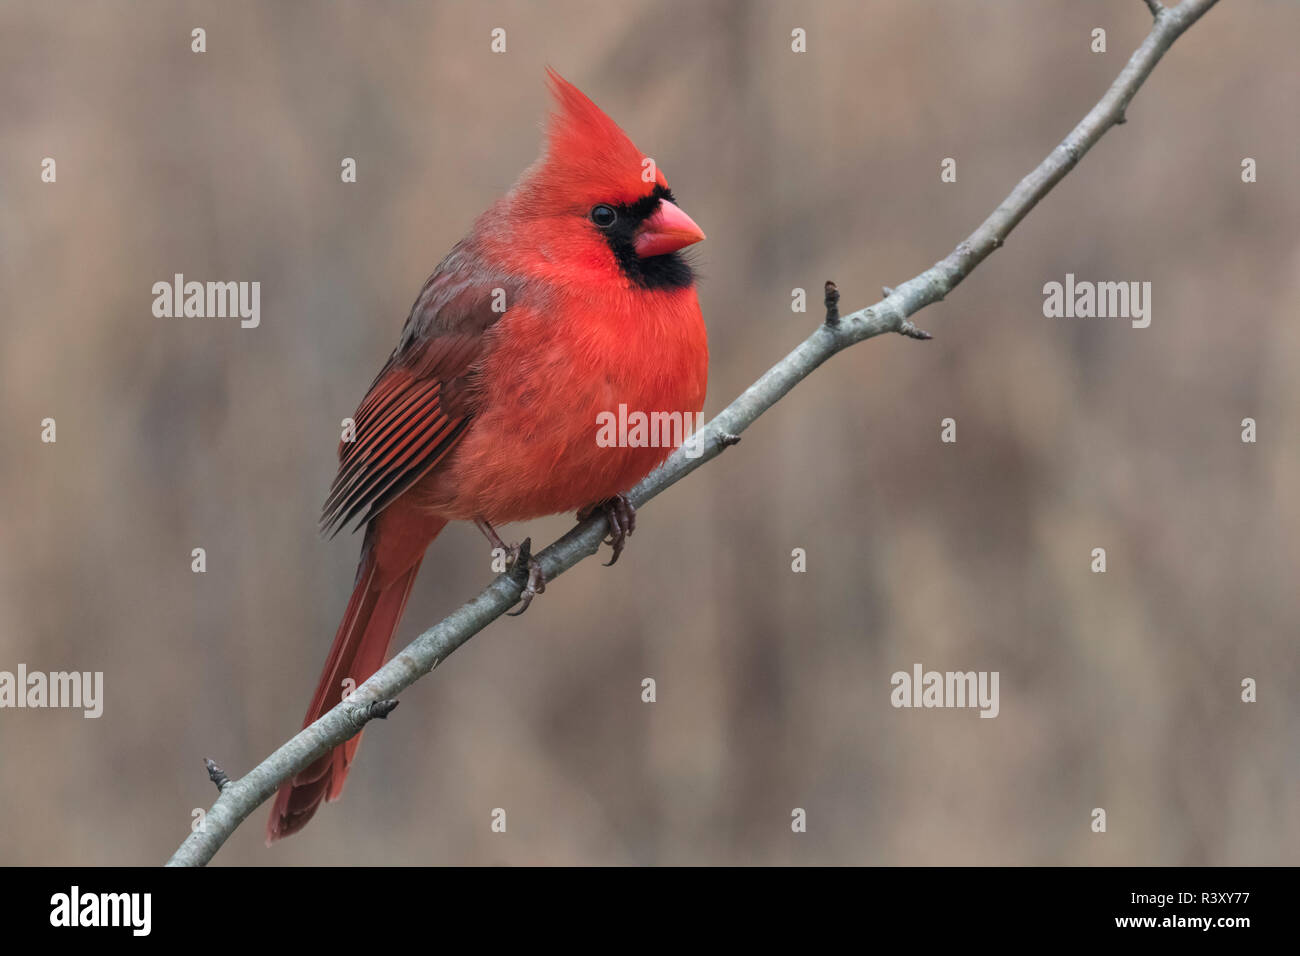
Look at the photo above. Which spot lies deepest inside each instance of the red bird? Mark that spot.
(567, 299)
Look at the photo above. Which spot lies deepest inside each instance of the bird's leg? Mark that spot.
(489, 532)
(620, 514)
(516, 555)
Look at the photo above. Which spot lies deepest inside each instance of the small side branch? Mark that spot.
(375, 710)
(912, 332)
(216, 774)
(832, 303)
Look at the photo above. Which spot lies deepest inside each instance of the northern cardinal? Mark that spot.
(568, 298)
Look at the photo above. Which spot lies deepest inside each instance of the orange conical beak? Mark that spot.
(668, 230)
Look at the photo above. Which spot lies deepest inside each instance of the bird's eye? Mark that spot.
(603, 216)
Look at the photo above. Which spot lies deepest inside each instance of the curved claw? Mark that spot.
(535, 585)
(620, 515)
(534, 582)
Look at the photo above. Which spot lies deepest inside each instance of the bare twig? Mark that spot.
(912, 332)
(380, 709)
(1155, 6)
(216, 774)
(832, 303)
(239, 798)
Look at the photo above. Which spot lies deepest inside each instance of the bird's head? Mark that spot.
(596, 205)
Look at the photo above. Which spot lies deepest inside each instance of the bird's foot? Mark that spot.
(620, 514)
(518, 558)
(523, 564)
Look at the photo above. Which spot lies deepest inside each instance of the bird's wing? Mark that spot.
(422, 400)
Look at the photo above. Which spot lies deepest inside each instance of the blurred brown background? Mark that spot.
(1118, 690)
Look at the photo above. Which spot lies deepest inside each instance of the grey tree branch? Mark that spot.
(374, 698)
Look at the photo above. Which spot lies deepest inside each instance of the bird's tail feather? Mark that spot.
(368, 625)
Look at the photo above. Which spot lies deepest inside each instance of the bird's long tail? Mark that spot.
(390, 560)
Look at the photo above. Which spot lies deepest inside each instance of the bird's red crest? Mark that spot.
(588, 155)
